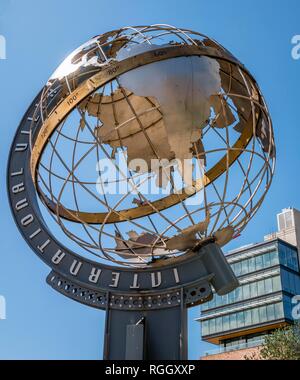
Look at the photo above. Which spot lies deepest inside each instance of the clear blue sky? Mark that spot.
(40, 323)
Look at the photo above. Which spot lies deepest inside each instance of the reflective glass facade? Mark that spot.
(246, 291)
(241, 319)
(255, 263)
(269, 278)
(288, 256)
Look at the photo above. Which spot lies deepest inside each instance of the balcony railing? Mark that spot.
(240, 346)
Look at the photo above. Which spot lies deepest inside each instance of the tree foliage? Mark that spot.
(282, 344)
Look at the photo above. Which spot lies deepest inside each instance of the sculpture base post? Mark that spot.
(150, 322)
(146, 335)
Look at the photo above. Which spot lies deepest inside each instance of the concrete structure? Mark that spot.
(288, 222)
(269, 277)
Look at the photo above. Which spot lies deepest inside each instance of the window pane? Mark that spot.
(266, 258)
(246, 291)
(288, 282)
(263, 314)
(291, 282)
(238, 294)
(252, 265)
(248, 319)
(261, 288)
(283, 255)
(276, 284)
(225, 299)
(237, 269)
(285, 280)
(290, 258)
(270, 312)
(287, 307)
(212, 326)
(259, 262)
(245, 269)
(219, 324)
(240, 319)
(279, 311)
(232, 319)
(268, 285)
(205, 328)
(253, 288)
(226, 325)
(295, 281)
(295, 262)
(255, 316)
(231, 298)
(274, 260)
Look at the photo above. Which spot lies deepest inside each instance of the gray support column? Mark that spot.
(163, 331)
(135, 342)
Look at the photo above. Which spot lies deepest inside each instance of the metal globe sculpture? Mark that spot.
(148, 149)
(156, 140)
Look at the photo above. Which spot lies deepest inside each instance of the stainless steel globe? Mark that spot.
(160, 139)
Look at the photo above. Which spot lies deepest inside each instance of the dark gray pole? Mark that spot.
(149, 335)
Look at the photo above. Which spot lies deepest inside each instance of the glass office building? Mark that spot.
(269, 278)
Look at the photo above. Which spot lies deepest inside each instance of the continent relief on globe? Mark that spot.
(160, 110)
